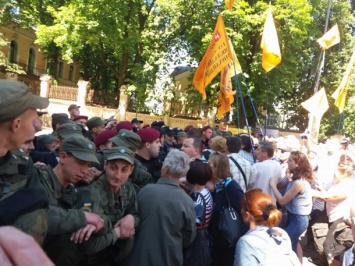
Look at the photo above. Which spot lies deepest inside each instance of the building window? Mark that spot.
(71, 72)
(13, 52)
(60, 69)
(31, 61)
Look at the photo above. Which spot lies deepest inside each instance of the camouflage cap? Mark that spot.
(120, 153)
(94, 122)
(73, 106)
(16, 98)
(181, 134)
(68, 130)
(128, 139)
(81, 148)
(46, 139)
(60, 118)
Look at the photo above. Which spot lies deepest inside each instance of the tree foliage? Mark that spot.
(136, 42)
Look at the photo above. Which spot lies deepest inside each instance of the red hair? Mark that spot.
(261, 207)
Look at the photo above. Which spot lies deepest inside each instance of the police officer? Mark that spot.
(20, 207)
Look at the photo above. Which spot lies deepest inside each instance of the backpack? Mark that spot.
(277, 252)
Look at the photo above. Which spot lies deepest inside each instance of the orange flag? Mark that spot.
(270, 44)
(229, 4)
(340, 94)
(226, 93)
(217, 56)
(330, 38)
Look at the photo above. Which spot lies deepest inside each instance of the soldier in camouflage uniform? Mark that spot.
(140, 175)
(19, 206)
(114, 199)
(75, 156)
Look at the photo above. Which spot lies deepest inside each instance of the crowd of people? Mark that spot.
(106, 192)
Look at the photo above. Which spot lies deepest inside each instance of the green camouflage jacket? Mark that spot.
(16, 168)
(62, 216)
(140, 176)
(98, 198)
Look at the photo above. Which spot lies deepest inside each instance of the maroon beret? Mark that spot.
(205, 128)
(124, 125)
(148, 134)
(187, 128)
(80, 117)
(103, 137)
(145, 126)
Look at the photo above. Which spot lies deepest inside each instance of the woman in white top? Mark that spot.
(338, 202)
(298, 197)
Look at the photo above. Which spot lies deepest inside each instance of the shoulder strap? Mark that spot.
(228, 201)
(203, 220)
(240, 169)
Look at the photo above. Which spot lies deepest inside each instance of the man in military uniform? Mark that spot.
(95, 125)
(114, 199)
(148, 152)
(20, 207)
(75, 156)
(58, 119)
(140, 175)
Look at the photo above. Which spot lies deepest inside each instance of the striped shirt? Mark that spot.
(199, 206)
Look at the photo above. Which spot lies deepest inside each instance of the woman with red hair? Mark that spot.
(264, 243)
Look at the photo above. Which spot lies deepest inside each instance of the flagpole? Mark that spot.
(267, 103)
(322, 57)
(236, 80)
(252, 104)
(313, 124)
(245, 114)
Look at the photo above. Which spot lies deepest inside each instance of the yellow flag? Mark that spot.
(318, 104)
(234, 63)
(340, 94)
(226, 93)
(217, 56)
(229, 4)
(270, 44)
(330, 38)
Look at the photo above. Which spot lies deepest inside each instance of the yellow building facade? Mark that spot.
(23, 51)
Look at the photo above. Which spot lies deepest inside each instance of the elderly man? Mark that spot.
(20, 207)
(168, 220)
